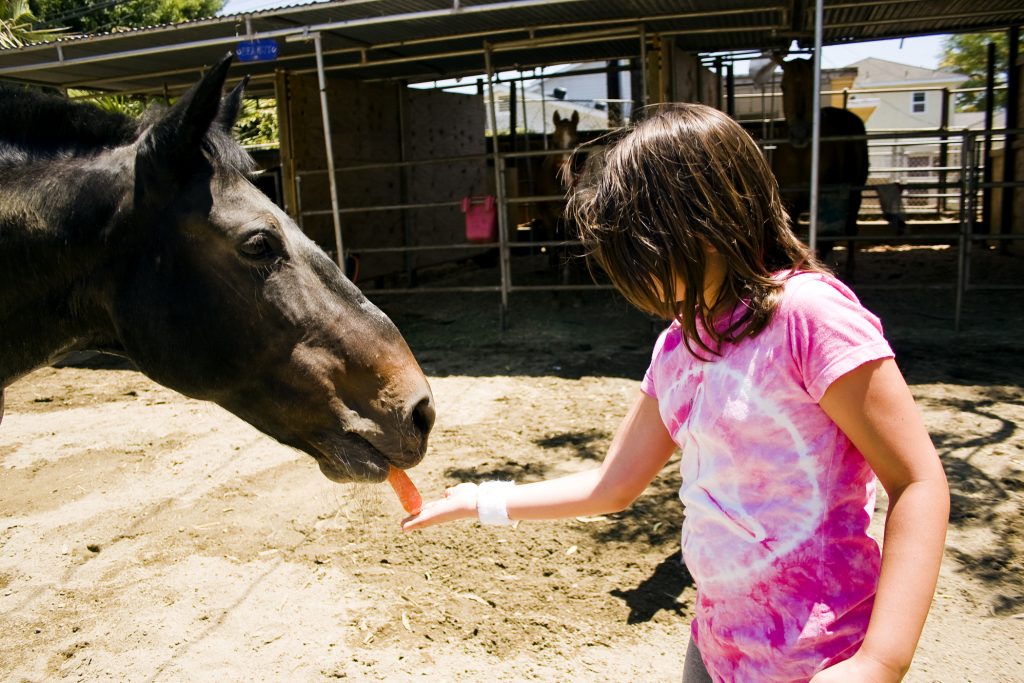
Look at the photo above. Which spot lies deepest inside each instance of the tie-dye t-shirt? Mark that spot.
(777, 499)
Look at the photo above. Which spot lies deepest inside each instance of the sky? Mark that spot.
(924, 51)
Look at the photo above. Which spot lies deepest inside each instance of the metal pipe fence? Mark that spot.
(962, 187)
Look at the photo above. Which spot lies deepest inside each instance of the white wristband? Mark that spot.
(491, 502)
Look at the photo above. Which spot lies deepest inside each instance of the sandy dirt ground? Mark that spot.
(145, 536)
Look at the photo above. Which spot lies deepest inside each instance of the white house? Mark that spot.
(901, 96)
(567, 90)
(893, 97)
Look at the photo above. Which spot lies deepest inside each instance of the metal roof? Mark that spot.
(431, 39)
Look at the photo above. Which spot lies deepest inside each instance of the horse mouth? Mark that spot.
(348, 457)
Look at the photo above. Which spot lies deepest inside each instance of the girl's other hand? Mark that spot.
(459, 502)
(862, 669)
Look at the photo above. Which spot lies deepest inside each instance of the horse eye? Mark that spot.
(258, 246)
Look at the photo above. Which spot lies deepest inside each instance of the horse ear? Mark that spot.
(557, 118)
(175, 139)
(230, 107)
(575, 117)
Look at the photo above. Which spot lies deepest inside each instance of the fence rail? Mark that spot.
(958, 188)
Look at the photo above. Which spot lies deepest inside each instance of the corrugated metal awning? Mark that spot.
(430, 39)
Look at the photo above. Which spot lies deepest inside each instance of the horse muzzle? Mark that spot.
(799, 135)
(363, 448)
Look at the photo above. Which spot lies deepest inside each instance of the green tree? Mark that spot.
(967, 54)
(257, 122)
(129, 105)
(100, 16)
(16, 25)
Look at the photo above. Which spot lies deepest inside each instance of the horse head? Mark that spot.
(797, 97)
(227, 300)
(565, 136)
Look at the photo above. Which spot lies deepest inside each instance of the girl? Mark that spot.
(783, 396)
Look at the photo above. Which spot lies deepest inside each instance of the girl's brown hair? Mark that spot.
(683, 179)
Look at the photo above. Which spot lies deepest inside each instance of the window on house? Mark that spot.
(917, 103)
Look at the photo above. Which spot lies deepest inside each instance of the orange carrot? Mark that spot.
(405, 490)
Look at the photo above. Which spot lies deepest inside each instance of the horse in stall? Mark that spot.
(147, 239)
(843, 164)
(557, 174)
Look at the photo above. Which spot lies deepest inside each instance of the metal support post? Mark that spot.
(332, 181)
(819, 14)
(499, 188)
(719, 71)
(325, 114)
(730, 90)
(543, 110)
(967, 186)
(944, 151)
(990, 104)
(1010, 142)
(298, 202)
(408, 259)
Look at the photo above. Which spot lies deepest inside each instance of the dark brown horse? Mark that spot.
(843, 164)
(147, 239)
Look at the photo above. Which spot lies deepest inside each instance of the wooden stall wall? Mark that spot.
(1017, 224)
(998, 161)
(443, 125)
(367, 124)
(675, 75)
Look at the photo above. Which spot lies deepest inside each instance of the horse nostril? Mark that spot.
(423, 416)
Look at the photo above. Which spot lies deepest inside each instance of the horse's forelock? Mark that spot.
(224, 152)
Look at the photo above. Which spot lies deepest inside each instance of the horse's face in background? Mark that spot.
(232, 303)
(565, 135)
(797, 98)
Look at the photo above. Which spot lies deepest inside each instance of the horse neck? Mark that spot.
(53, 261)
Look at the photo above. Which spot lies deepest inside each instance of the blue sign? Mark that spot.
(259, 50)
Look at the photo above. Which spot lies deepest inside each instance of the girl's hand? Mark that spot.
(858, 668)
(459, 502)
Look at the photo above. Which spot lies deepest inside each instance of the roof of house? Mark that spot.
(975, 120)
(874, 72)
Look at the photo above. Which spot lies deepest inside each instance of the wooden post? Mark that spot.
(636, 88)
(730, 90)
(289, 186)
(944, 153)
(718, 90)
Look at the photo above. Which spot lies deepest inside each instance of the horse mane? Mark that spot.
(35, 125)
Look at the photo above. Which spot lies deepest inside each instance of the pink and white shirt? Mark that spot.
(777, 499)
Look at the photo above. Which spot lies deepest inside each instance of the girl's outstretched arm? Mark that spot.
(640, 449)
(875, 409)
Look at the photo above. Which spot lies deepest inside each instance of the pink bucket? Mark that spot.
(481, 219)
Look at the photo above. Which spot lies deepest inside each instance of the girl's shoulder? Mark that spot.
(827, 330)
(813, 281)
(818, 294)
